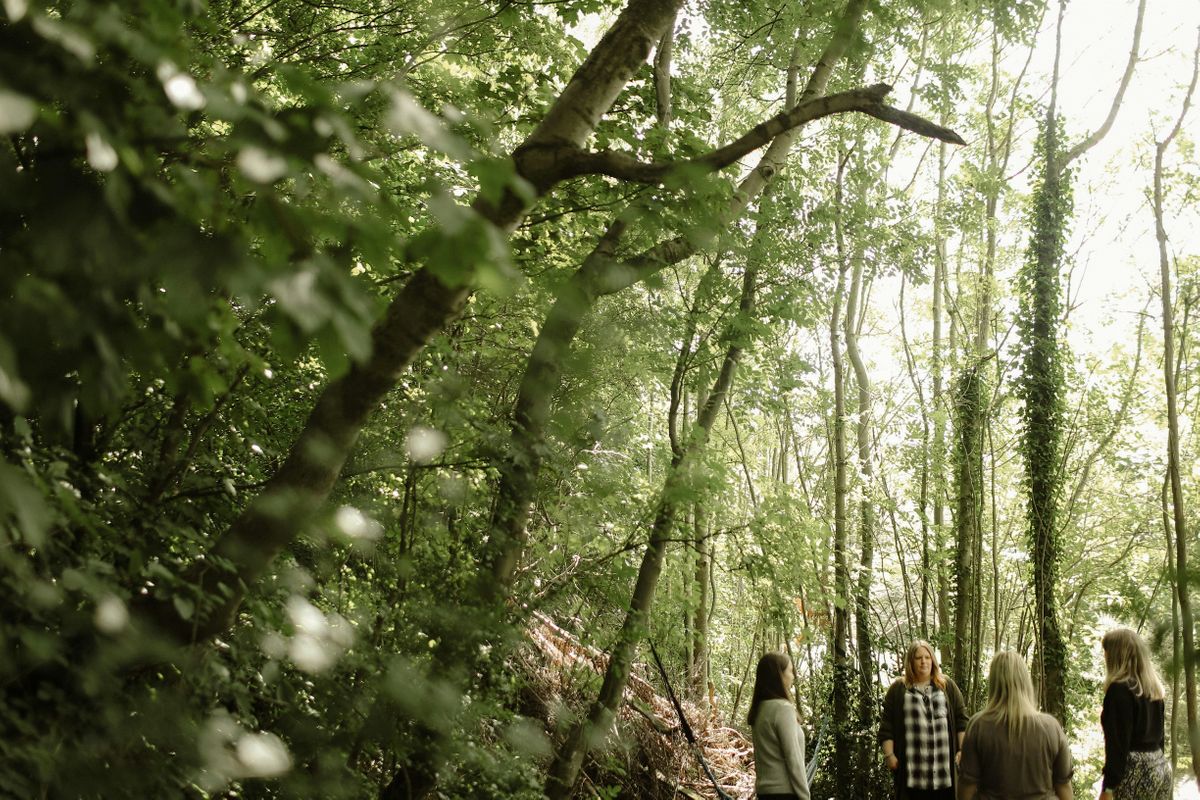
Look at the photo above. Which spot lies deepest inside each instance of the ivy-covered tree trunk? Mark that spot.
(969, 398)
(1041, 382)
(1041, 390)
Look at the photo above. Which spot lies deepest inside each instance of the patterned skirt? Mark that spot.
(1148, 777)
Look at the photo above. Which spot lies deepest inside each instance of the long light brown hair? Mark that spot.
(935, 672)
(1127, 660)
(768, 682)
(1011, 699)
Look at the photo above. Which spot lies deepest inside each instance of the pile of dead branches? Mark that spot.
(646, 754)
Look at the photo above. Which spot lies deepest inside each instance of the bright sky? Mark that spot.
(1114, 224)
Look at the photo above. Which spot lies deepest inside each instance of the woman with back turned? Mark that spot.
(1012, 751)
(779, 772)
(1134, 765)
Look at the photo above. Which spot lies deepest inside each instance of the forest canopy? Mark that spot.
(386, 386)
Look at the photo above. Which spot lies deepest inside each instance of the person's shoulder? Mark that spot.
(1120, 691)
(981, 719)
(777, 709)
(1050, 723)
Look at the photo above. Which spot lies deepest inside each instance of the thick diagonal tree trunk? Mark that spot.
(420, 310)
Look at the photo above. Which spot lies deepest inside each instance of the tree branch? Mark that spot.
(1102, 131)
(573, 162)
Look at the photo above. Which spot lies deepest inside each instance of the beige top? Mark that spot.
(779, 750)
(1027, 768)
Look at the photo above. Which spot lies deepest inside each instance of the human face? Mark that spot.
(922, 664)
(789, 676)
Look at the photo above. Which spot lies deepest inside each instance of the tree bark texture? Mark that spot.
(1041, 388)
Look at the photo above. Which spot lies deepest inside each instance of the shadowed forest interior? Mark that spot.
(405, 398)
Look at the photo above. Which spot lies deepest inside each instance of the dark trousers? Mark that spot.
(931, 794)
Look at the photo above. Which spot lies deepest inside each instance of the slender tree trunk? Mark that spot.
(842, 671)
(703, 579)
(923, 500)
(938, 455)
(568, 758)
(868, 679)
(1170, 377)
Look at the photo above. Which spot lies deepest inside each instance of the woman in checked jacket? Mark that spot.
(922, 728)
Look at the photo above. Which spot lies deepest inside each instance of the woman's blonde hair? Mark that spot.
(910, 674)
(1127, 661)
(1011, 700)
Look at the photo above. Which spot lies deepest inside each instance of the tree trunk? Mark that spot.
(422, 308)
(703, 578)
(868, 679)
(568, 758)
(1041, 388)
(842, 672)
(968, 444)
(1170, 376)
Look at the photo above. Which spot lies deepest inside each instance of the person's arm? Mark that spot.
(887, 738)
(1064, 766)
(969, 773)
(791, 742)
(958, 709)
(889, 754)
(1117, 721)
(885, 721)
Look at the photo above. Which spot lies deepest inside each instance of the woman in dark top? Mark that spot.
(922, 728)
(1135, 767)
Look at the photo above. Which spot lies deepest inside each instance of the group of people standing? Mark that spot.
(1008, 751)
